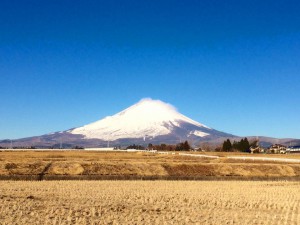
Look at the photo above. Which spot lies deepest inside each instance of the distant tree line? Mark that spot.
(243, 145)
(184, 146)
(18, 147)
(134, 146)
(78, 147)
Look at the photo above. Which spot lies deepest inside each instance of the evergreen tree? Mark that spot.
(227, 146)
(163, 147)
(186, 146)
(245, 146)
(179, 147)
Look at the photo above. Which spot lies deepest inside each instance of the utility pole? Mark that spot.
(60, 143)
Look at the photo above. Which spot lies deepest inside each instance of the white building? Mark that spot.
(294, 149)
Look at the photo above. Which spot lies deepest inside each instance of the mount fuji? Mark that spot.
(148, 121)
(148, 117)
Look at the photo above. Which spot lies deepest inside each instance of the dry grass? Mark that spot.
(149, 202)
(124, 165)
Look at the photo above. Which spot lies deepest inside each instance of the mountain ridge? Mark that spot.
(148, 121)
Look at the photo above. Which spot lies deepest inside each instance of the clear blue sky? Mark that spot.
(232, 65)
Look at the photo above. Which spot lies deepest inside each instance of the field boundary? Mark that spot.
(119, 177)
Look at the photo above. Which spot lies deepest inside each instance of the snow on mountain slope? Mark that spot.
(199, 133)
(146, 118)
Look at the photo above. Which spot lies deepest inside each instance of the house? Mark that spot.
(277, 149)
(256, 149)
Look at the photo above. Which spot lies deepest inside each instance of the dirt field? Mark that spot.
(149, 202)
(62, 165)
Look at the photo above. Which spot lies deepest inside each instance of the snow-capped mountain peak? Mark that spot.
(146, 118)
